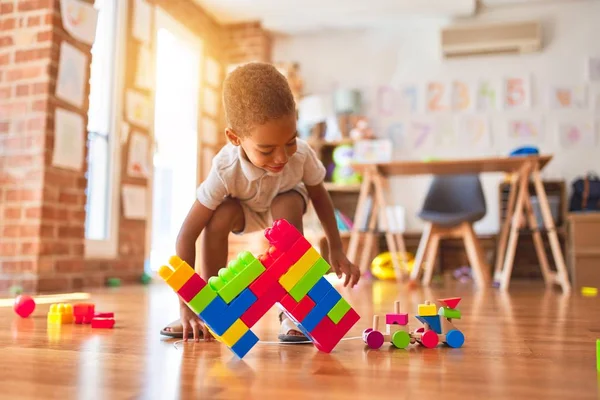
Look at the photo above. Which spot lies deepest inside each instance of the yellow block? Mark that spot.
(60, 313)
(426, 310)
(234, 333)
(177, 275)
(298, 270)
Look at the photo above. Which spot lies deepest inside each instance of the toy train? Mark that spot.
(437, 327)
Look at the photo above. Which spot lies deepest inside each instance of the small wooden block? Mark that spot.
(426, 310)
(450, 302)
(396, 319)
(446, 312)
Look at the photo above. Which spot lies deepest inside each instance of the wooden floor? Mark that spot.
(529, 344)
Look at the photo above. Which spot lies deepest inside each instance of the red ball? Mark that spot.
(24, 305)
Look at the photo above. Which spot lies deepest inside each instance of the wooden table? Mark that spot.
(522, 169)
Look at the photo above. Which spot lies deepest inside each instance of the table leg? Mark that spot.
(421, 250)
(549, 276)
(503, 237)
(369, 238)
(360, 216)
(515, 227)
(559, 261)
(480, 271)
(379, 184)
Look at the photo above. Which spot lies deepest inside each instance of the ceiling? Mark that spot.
(294, 16)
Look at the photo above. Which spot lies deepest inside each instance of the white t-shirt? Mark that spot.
(231, 175)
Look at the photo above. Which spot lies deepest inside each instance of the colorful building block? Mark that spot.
(60, 313)
(310, 279)
(320, 310)
(299, 269)
(450, 302)
(427, 309)
(321, 288)
(231, 303)
(396, 319)
(83, 313)
(103, 323)
(449, 313)
(191, 288)
(177, 274)
(262, 305)
(338, 311)
(237, 276)
(432, 320)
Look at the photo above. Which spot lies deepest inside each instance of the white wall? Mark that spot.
(411, 54)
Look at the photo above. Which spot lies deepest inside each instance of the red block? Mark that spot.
(288, 302)
(262, 305)
(450, 302)
(327, 335)
(303, 308)
(282, 234)
(83, 313)
(191, 288)
(105, 323)
(104, 315)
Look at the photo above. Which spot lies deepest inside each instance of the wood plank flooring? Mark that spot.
(527, 344)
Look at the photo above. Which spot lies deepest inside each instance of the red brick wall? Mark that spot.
(247, 42)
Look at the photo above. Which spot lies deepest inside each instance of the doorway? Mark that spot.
(179, 55)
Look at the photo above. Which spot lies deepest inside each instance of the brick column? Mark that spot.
(247, 42)
(42, 212)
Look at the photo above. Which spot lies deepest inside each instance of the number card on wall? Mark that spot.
(576, 134)
(438, 97)
(568, 97)
(421, 134)
(529, 130)
(463, 98)
(487, 95)
(474, 132)
(517, 93)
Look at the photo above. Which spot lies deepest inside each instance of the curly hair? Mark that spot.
(254, 94)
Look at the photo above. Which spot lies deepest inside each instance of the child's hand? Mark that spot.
(341, 264)
(190, 321)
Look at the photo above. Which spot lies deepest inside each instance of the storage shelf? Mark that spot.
(337, 187)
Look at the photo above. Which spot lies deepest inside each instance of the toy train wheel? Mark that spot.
(455, 338)
(401, 339)
(420, 330)
(365, 333)
(429, 339)
(374, 339)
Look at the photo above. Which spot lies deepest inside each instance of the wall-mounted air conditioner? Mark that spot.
(491, 38)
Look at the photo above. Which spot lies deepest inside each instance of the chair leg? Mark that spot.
(475, 255)
(421, 250)
(430, 258)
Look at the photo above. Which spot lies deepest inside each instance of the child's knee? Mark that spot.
(228, 217)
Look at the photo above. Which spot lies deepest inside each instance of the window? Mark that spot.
(103, 117)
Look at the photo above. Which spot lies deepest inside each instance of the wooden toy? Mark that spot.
(103, 323)
(83, 313)
(290, 272)
(24, 305)
(60, 313)
(436, 328)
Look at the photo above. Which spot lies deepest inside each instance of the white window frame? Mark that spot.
(108, 248)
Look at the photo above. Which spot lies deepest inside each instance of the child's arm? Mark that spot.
(192, 226)
(325, 211)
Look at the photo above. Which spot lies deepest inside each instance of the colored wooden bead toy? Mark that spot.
(437, 327)
(290, 273)
(60, 313)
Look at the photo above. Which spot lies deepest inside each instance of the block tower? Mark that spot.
(291, 273)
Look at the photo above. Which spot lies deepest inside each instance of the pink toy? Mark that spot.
(24, 305)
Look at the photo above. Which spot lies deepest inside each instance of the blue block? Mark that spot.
(246, 342)
(241, 303)
(433, 321)
(320, 310)
(219, 316)
(321, 288)
(305, 332)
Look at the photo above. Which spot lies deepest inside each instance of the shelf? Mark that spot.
(325, 143)
(337, 187)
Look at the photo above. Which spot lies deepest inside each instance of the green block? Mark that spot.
(338, 311)
(202, 299)
(309, 279)
(449, 313)
(241, 281)
(598, 354)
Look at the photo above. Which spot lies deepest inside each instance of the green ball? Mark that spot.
(113, 282)
(15, 290)
(145, 278)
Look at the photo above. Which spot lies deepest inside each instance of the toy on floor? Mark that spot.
(83, 313)
(291, 273)
(103, 323)
(24, 305)
(437, 327)
(60, 313)
(382, 266)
